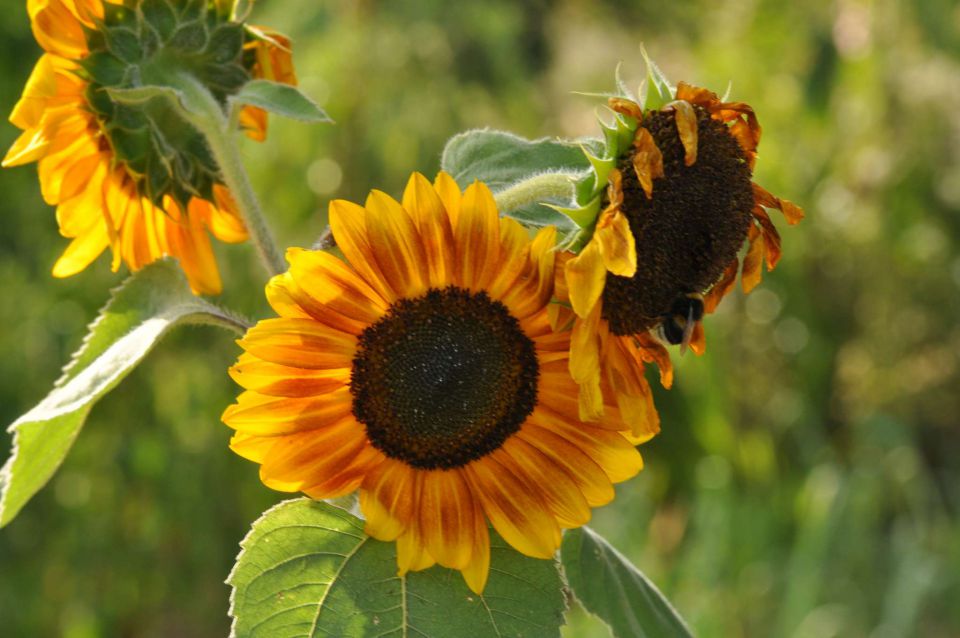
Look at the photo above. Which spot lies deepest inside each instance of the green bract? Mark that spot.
(139, 44)
(618, 135)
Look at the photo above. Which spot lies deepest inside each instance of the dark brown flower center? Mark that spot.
(443, 379)
(690, 229)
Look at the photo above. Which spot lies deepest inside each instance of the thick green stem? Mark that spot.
(208, 117)
(539, 188)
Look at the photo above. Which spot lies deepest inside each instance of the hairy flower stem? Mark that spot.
(203, 112)
(537, 189)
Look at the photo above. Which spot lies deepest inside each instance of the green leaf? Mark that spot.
(141, 311)
(307, 569)
(502, 160)
(610, 587)
(281, 99)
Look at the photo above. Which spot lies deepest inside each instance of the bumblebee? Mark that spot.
(677, 326)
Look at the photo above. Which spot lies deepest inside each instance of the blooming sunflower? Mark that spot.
(137, 179)
(424, 372)
(674, 202)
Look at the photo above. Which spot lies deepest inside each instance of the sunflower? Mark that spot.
(676, 203)
(139, 180)
(424, 372)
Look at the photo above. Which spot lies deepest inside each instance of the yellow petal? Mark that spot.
(447, 517)
(412, 555)
(387, 499)
(325, 284)
(477, 235)
(558, 489)
(586, 276)
(349, 226)
(516, 510)
(396, 245)
(476, 571)
(82, 250)
(300, 343)
(593, 482)
(420, 199)
(255, 413)
(617, 245)
(450, 194)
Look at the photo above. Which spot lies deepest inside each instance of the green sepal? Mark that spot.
(160, 16)
(658, 90)
(105, 69)
(582, 216)
(601, 171)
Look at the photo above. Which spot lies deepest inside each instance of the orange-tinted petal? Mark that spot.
(300, 343)
(436, 234)
(722, 288)
(586, 276)
(517, 512)
(752, 261)
(617, 245)
(390, 499)
(349, 226)
(647, 160)
(558, 489)
(686, 118)
(477, 234)
(446, 519)
(255, 413)
(396, 245)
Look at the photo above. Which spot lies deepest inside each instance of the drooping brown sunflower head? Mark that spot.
(689, 229)
(669, 206)
(678, 207)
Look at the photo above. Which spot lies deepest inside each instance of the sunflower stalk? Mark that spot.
(206, 115)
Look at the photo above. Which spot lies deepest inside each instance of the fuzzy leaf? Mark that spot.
(610, 587)
(281, 99)
(140, 312)
(307, 569)
(501, 160)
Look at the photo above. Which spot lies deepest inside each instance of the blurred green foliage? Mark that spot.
(807, 480)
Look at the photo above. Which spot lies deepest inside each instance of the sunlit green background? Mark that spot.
(807, 480)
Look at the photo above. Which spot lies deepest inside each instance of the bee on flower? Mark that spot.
(137, 178)
(670, 203)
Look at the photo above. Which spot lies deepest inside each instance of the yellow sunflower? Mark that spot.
(678, 205)
(138, 180)
(424, 371)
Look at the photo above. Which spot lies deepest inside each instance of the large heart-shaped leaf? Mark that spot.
(140, 312)
(307, 569)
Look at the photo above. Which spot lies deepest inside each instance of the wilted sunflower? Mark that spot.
(137, 179)
(424, 371)
(676, 203)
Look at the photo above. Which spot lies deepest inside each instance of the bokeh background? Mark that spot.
(807, 479)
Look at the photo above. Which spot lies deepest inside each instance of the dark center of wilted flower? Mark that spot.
(443, 379)
(690, 229)
(134, 46)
